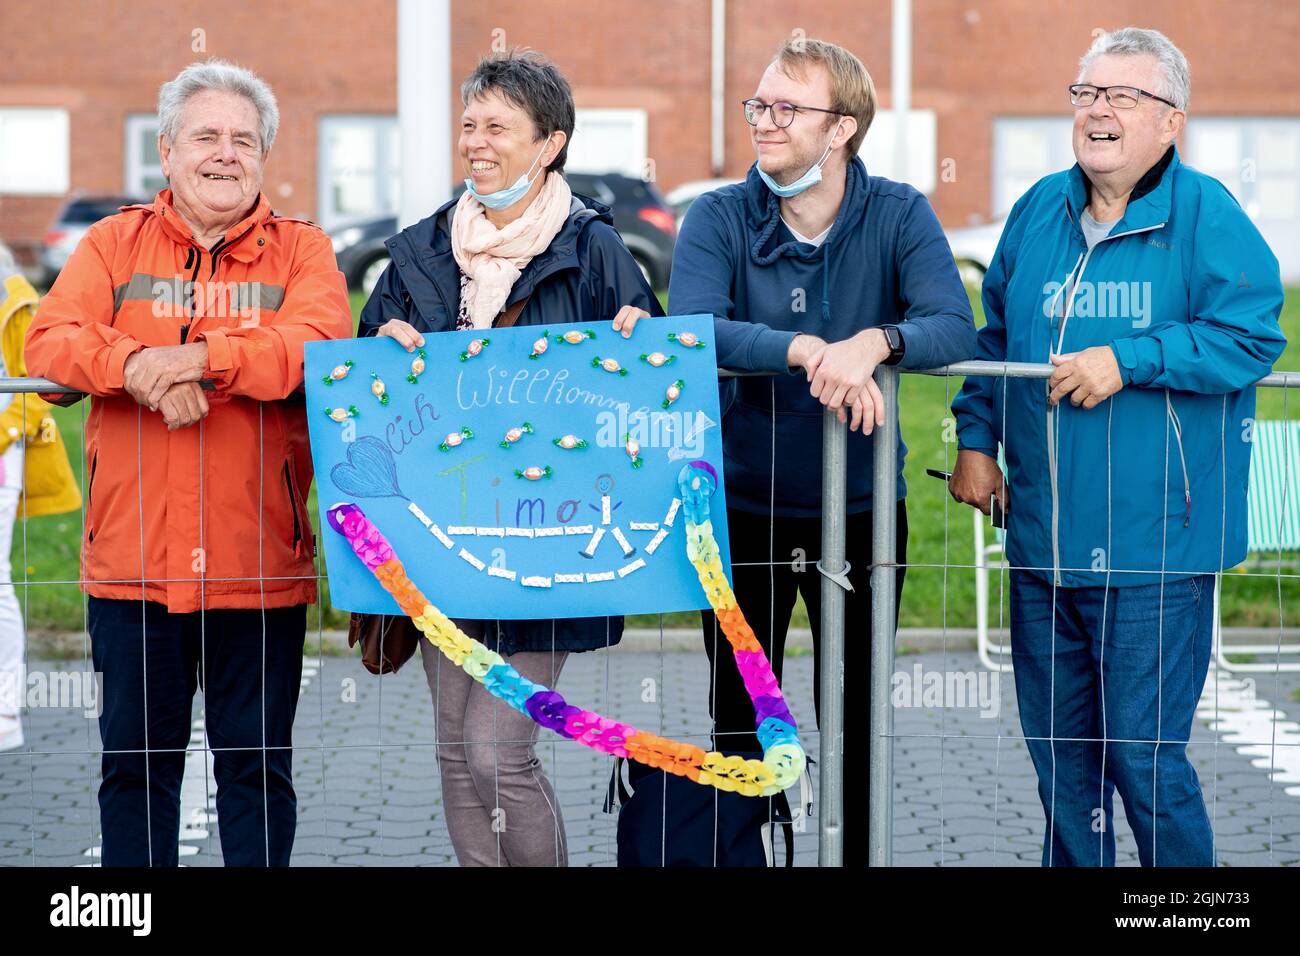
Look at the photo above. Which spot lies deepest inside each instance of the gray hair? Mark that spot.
(216, 74)
(531, 82)
(1176, 85)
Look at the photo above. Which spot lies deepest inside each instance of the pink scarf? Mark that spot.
(493, 258)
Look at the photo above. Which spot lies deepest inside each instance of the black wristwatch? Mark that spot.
(897, 348)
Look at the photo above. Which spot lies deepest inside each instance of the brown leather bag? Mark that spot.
(388, 641)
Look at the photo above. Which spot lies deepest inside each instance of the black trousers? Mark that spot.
(773, 560)
(250, 685)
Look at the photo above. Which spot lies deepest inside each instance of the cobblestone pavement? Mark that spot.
(368, 789)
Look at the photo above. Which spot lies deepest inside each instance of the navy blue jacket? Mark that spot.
(585, 275)
(885, 261)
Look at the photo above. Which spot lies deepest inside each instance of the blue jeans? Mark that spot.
(250, 673)
(1108, 679)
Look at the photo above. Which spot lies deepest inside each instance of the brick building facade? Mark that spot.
(989, 76)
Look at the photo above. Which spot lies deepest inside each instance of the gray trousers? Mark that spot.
(501, 810)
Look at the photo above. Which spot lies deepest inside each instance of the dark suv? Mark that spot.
(641, 215)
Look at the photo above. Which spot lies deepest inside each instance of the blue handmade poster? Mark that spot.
(520, 473)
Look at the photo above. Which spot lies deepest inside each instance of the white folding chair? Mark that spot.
(1272, 529)
(988, 558)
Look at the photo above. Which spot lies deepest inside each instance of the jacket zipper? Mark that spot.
(196, 260)
(1182, 459)
(293, 506)
(1052, 465)
(90, 493)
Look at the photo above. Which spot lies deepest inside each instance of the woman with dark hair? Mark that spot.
(518, 247)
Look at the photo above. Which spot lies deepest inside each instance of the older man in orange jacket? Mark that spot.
(185, 319)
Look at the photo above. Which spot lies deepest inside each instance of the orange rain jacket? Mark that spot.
(213, 515)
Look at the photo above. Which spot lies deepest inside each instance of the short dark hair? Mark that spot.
(527, 80)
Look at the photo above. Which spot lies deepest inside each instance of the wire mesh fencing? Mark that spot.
(381, 766)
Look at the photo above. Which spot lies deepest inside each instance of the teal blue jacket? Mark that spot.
(1186, 294)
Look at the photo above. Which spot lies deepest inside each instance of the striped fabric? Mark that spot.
(1273, 500)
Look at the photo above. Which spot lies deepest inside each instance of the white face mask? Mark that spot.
(809, 179)
(504, 198)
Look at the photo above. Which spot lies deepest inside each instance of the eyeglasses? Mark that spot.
(1120, 97)
(782, 113)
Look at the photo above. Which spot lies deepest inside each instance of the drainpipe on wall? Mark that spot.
(718, 81)
(424, 106)
(900, 83)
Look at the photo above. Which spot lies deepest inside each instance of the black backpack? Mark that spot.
(666, 820)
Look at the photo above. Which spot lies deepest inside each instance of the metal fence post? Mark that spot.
(833, 583)
(883, 576)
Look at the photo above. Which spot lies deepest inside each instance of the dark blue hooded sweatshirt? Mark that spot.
(885, 261)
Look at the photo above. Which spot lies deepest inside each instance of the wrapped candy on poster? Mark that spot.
(337, 373)
(540, 346)
(534, 472)
(569, 442)
(455, 438)
(658, 359)
(417, 367)
(342, 414)
(474, 348)
(609, 365)
(687, 340)
(378, 389)
(673, 392)
(575, 336)
(783, 758)
(633, 449)
(514, 434)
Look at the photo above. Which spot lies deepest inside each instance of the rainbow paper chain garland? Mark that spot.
(783, 757)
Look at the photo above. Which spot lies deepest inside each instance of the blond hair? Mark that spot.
(852, 91)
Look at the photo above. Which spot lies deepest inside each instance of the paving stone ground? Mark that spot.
(367, 777)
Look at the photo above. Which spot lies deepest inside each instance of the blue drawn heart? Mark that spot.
(369, 472)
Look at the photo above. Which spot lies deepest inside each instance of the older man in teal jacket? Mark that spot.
(1148, 287)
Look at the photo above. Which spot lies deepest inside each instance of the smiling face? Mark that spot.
(1119, 145)
(786, 154)
(215, 163)
(499, 143)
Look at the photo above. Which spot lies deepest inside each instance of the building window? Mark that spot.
(878, 149)
(609, 141)
(144, 175)
(360, 164)
(1258, 159)
(1025, 149)
(33, 151)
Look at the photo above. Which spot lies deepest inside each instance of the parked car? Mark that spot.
(641, 216)
(680, 199)
(973, 249)
(77, 215)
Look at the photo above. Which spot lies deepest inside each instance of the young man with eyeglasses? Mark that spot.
(811, 250)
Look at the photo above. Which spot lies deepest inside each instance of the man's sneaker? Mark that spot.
(11, 733)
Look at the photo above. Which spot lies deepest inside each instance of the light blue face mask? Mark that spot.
(503, 198)
(809, 179)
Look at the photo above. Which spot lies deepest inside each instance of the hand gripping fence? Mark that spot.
(783, 757)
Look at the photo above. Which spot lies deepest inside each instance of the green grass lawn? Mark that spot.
(45, 549)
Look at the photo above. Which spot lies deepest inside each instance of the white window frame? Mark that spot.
(1056, 127)
(48, 177)
(136, 166)
(388, 190)
(637, 131)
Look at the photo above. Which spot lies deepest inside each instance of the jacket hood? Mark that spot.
(763, 214)
(14, 294)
